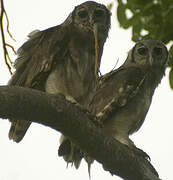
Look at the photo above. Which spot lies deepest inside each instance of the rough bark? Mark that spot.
(76, 123)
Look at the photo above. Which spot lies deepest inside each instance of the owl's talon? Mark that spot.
(141, 153)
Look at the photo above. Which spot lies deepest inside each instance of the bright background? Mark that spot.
(36, 156)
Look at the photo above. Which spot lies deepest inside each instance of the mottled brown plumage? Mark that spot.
(123, 96)
(63, 59)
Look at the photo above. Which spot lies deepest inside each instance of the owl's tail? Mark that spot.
(18, 129)
(72, 154)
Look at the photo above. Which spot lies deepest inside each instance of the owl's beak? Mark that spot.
(151, 60)
(91, 20)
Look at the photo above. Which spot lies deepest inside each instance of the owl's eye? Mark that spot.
(143, 51)
(99, 13)
(83, 14)
(157, 51)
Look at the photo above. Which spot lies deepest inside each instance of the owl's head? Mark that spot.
(88, 14)
(148, 53)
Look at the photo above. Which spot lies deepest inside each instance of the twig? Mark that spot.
(115, 65)
(11, 48)
(7, 58)
(96, 50)
(8, 31)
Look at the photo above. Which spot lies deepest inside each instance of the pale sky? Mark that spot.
(36, 156)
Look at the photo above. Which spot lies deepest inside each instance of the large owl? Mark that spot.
(123, 96)
(63, 59)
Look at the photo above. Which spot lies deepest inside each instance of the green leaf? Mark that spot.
(171, 78)
(136, 30)
(152, 16)
(121, 15)
(110, 5)
(170, 60)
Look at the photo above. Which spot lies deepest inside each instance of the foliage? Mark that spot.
(149, 19)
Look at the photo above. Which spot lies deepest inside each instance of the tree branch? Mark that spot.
(76, 123)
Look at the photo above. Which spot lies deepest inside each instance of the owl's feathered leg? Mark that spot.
(132, 146)
(140, 152)
(70, 152)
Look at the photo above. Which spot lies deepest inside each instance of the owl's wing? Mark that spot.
(37, 56)
(35, 60)
(116, 89)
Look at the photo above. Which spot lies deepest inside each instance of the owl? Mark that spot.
(63, 59)
(123, 96)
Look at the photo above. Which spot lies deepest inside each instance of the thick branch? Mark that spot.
(72, 121)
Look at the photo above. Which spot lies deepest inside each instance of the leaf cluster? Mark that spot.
(149, 19)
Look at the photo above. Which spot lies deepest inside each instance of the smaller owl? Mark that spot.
(123, 96)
